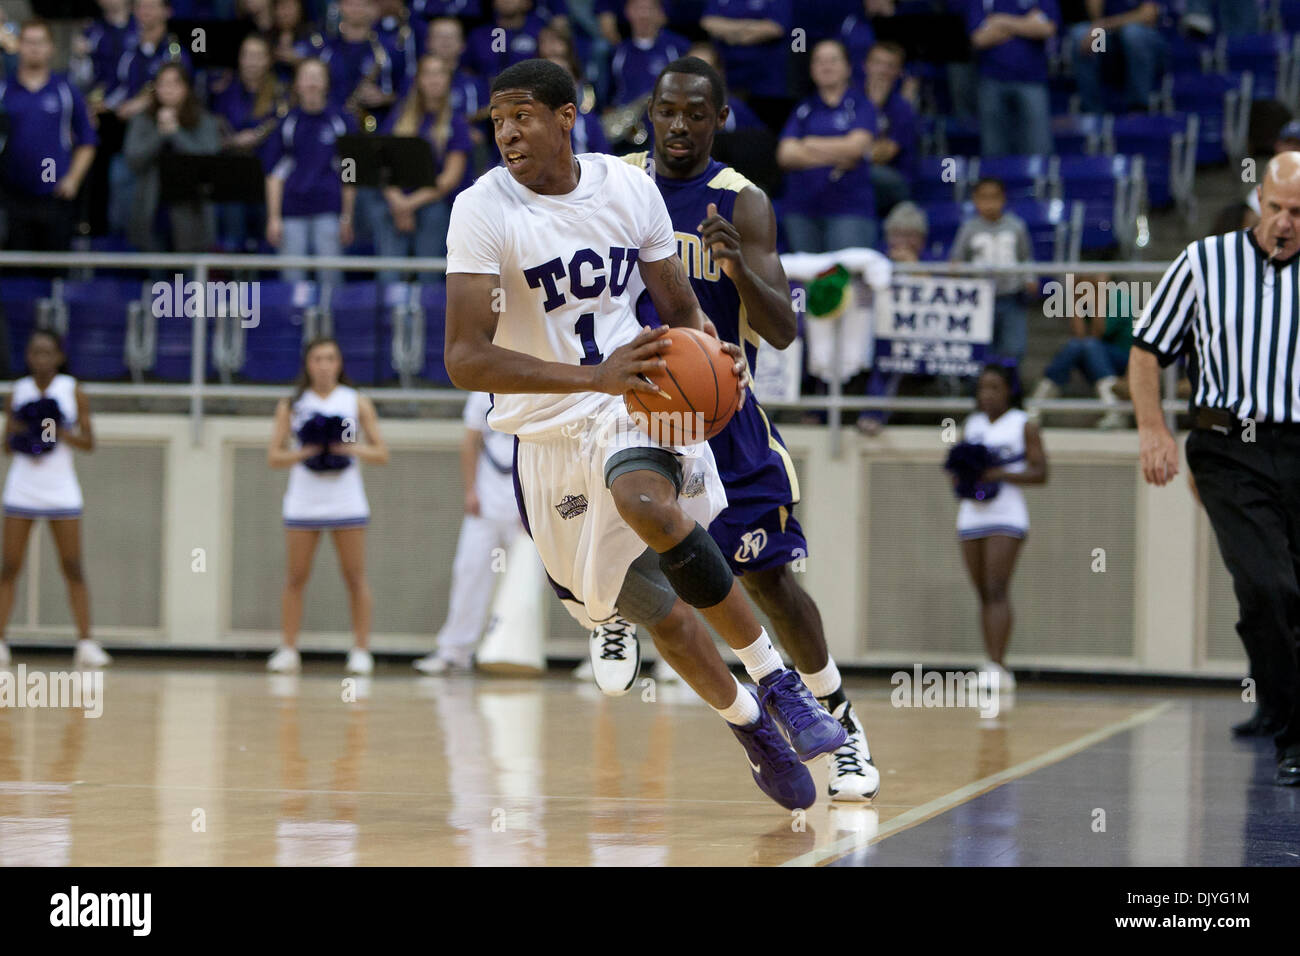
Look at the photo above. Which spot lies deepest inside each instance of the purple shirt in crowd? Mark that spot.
(46, 124)
(302, 153)
(1019, 60)
(638, 63)
(759, 69)
(820, 191)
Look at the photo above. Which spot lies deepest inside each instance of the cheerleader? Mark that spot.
(317, 434)
(46, 416)
(992, 520)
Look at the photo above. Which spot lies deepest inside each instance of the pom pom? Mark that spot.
(969, 460)
(34, 415)
(323, 430)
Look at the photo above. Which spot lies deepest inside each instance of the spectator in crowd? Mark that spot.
(415, 222)
(588, 135)
(1101, 330)
(398, 38)
(424, 12)
(510, 38)
(825, 150)
(248, 110)
(1139, 51)
(446, 41)
(50, 147)
(858, 37)
(996, 237)
(155, 46)
(906, 230)
(739, 115)
(361, 71)
(174, 124)
(132, 95)
(895, 147)
(290, 36)
(259, 15)
(1011, 42)
(752, 37)
(308, 209)
(101, 47)
(1234, 18)
(640, 59)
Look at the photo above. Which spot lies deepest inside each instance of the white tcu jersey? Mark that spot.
(1005, 514)
(493, 477)
(45, 485)
(564, 264)
(325, 499)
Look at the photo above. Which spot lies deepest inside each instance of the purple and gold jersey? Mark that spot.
(756, 530)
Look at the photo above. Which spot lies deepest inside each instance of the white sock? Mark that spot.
(760, 658)
(825, 682)
(743, 710)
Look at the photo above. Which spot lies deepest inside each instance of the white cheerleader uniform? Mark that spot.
(1005, 514)
(318, 500)
(45, 486)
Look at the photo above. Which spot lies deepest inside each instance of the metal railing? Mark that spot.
(200, 267)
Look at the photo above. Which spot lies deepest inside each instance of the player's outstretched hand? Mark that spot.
(723, 240)
(731, 348)
(622, 371)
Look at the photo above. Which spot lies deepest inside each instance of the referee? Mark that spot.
(1235, 299)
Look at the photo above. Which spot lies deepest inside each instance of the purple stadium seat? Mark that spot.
(19, 300)
(1076, 134)
(1025, 177)
(929, 184)
(97, 310)
(355, 308)
(273, 349)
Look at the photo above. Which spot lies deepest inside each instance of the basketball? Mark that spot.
(702, 386)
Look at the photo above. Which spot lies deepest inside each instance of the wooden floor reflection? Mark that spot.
(216, 763)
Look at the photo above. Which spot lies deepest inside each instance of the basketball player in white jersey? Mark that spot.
(538, 313)
(42, 483)
(328, 496)
(491, 521)
(992, 531)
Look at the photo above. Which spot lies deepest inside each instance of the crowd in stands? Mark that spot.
(841, 109)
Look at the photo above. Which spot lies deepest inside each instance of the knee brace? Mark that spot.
(646, 596)
(697, 570)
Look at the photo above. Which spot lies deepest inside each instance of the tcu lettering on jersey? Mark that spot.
(587, 272)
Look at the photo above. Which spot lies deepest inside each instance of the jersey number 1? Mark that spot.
(586, 329)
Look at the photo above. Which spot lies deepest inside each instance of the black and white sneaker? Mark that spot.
(615, 656)
(853, 777)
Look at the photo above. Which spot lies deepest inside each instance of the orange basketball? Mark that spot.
(703, 391)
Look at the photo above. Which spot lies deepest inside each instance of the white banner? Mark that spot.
(934, 325)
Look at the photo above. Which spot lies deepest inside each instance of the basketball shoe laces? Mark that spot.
(772, 747)
(846, 758)
(614, 643)
(795, 702)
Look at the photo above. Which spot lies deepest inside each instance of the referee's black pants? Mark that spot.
(1251, 492)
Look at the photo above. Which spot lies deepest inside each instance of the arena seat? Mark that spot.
(23, 300)
(1024, 177)
(929, 186)
(352, 312)
(272, 350)
(1076, 134)
(433, 303)
(96, 311)
(1271, 57)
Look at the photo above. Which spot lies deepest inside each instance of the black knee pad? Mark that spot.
(697, 570)
(646, 596)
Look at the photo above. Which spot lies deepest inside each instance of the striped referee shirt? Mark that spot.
(1243, 315)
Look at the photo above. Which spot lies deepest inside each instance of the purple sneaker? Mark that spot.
(806, 724)
(776, 768)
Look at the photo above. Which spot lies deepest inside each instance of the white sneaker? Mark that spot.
(584, 671)
(360, 662)
(996, 677)
(90, 654)
(615, 656)
(4, 654)
(286, 660)
(438, 663)
(852, 778)
(664, 674)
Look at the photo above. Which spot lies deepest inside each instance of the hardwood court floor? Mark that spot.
(198, 762)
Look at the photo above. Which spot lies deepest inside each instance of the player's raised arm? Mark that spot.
(745, 249)
(477, 365)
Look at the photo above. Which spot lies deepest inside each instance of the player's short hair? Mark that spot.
(547, 82)
(990, 181)
(694, 66)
